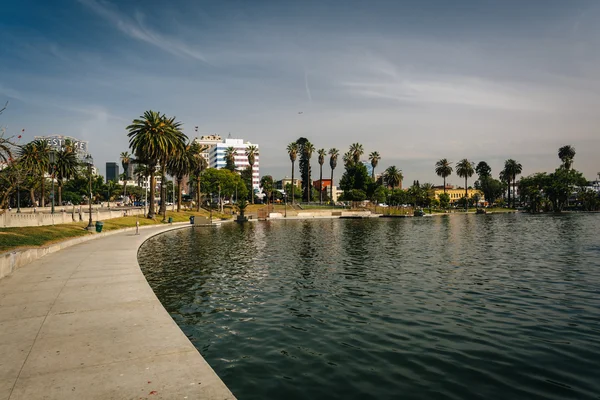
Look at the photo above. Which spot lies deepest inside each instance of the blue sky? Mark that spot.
(415, 80)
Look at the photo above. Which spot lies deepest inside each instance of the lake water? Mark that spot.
(458, 307)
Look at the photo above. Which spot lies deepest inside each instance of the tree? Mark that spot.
(36, 161)
(513, 168)
(266, 183)
(443, 168)
(374, 157)
(125, 160)
(464, 169)
(356, 150)
(66, 166)
(322, 154)
(333, 156)
(393, 177)
(306, 150)
(505, 178)
(251, 153)
(197, 166)
(230, 154)
(490, 187)
(483, 169)
(292, 150)
(560, 185)
(566, 155)
(180, 166)
(444, 199)
(355, 177)
(154, 138)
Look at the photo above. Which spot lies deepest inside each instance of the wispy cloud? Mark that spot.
(134, 27)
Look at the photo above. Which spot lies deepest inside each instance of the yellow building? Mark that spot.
(458, 193)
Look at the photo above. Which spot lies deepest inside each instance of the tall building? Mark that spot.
(210, 141)
(217, 157)
(112, 171)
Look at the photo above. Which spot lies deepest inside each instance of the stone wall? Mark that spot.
(75, 214)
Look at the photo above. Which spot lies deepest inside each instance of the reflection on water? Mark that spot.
(478, 306)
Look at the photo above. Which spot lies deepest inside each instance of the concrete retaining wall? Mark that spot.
(12, 219)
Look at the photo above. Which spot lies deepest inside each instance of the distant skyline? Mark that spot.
(416, 81)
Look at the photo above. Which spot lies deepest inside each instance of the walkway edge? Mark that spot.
(12, 260)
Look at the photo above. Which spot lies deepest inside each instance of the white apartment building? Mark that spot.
(210, 141)
(217, 157)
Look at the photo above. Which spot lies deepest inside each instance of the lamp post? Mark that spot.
(52, 158)
(90, 162)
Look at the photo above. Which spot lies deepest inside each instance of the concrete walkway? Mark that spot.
(83, 323)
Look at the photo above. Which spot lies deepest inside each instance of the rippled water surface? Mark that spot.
(463, 307)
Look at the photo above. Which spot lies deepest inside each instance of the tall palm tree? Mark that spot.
(333, 156)
(66, 167)
(251, 153)
(322, 154)
(465, 169)
(512, 169)
(308, 149)
(505, 178)
(348, 159)
(443, 168)
(229, 156)
(179, 167)
(292, 150)
(566, 155)
(154, 138)
(125, 160)
(36, 161)
(374, 157)
(356, 149)
(197, 165)
(393, 177)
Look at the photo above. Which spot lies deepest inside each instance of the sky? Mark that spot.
(416, 81)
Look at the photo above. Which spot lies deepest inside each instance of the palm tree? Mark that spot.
(36, 161)
(251, 152)
(322, 153)
(179, 167)
(443, 168)
(348, 159)
(125, 160)
(356, 149)
(333, 156)
(292, 150)
(197, 165)
(308, 150)
(513, 168)
(266, 182)
(65, 168)
(464, 169)
(566, 155)
(374, 157)
(505, 178)
(154, 138)
(229, 156)
(393, 177)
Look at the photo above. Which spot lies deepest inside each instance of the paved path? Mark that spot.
(83, 323)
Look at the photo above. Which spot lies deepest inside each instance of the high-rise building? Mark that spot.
(112, 171)
(217, 157)
(210, 141)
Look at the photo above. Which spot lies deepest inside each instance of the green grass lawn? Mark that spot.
(37, 236)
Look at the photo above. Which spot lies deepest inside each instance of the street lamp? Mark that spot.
(52, 158)
(90, 162)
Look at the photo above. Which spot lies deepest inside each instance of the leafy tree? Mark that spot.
(566, 155)
(483, 169)
(561, 184)
(154, 138)
(333, 156)
(306, 151)
(66, 166)
(292, 150)
(355, 195)
(197, 166)
(379, 194)
(322, 153)
(393, 177)
(35, 158)
(444, 199)
(443, 169)
(490, 187)
(374, 158)
(464, 169)
(355, 177)
(246, 176)
(399, 196)
(590, 201)
(531, 190)
(266, 183)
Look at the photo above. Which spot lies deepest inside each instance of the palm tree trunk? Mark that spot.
(179, 180)
(163, 204)
(321, 184)
(198, 194)
(466, 195)
(252, 184)
(32, 194)
(514, 195)
(331, 187)
(152, 193)
(444, 185)
(293, 184)
(60, 194)
(43, 192)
